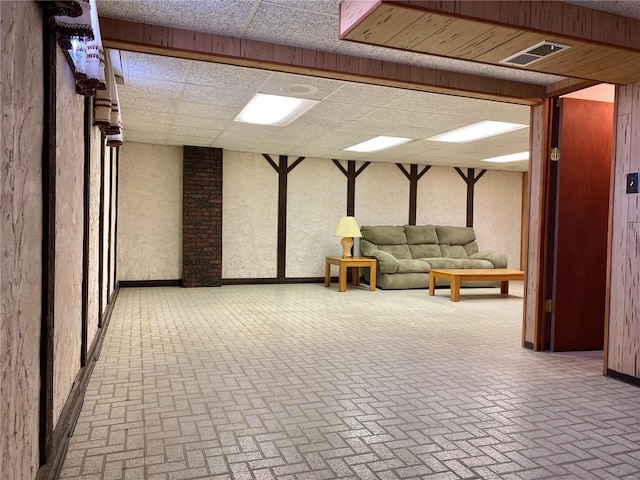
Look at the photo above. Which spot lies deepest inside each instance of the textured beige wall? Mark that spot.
(317, 198)
(382, 195)
(249, 216)
(21, 85)
(497, 212)
(105, 226)
(114, 219)
(94, 210)
(69, 232)
(150, 212)
(442, 198)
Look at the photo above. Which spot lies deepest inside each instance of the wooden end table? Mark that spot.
(353, 262)
(458, 275)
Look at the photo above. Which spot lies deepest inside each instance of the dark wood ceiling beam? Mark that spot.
(175, 42)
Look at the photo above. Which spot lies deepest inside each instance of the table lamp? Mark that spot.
(347, 229)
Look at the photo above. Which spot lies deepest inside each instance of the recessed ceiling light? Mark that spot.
(299, 89)
(378, 143)
(514, 157)
(476, 131)
(265, 109)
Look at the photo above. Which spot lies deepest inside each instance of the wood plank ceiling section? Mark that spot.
(604, 47)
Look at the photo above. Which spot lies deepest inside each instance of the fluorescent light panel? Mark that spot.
(378, 143)
(514, 157)
(264, 109)
(476, 131)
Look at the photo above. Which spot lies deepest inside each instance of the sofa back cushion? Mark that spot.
(457, 242)
(424, 251)
(453, 251)
(384, 235)
(398, 251)
(421, 234)
(449, 235)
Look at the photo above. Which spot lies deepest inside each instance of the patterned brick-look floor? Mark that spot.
(303, 382)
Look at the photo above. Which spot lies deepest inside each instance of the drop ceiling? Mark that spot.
(185, 102)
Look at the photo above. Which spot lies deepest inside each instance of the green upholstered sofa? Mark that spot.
(406, 253)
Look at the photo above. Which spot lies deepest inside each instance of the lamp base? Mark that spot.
(347, 243)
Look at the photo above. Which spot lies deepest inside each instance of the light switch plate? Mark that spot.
(632, 182)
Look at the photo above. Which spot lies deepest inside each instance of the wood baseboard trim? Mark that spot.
(273, 281)
(150, 283)
(623, 377)
(73, 406)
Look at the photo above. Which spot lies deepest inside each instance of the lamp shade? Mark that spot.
(347, 227)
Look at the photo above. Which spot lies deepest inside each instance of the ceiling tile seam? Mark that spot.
(252, 14)
(181, 97)
(315, 12)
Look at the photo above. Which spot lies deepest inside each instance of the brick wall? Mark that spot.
(202, 217)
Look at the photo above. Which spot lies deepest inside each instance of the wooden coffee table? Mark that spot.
(457, 275)
(343, 264)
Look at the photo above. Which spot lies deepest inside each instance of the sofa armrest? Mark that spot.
(387, 263)
(498, 259)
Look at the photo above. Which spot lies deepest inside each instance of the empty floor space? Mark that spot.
(303, 382)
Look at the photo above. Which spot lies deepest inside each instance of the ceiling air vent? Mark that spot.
(535, 53)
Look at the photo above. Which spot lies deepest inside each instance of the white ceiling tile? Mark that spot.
(115, 8)
(154, 67)
(363, 94)
(215, 112)
(216, 96)
(131, 135)
(151, 104)
(339, 111)
(329, 7)
(209, 133)
(224, 17)
(226, 77)
(147, 119)
(200, 122)
(188, 140)
(152, 88)
(290, 26)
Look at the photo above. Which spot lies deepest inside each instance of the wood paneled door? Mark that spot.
(580, 227)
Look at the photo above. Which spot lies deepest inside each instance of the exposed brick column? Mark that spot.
(202, 217)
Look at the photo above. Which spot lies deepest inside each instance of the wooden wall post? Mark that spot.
(413, 176)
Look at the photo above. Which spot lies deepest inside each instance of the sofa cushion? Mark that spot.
(398, 251)
(453, 251)
(384, 235)
(422, 251)
(471, 248)
(476, 263)
(450, 235)
(407, 266)
(421, 234)
(444, 262)
(498, 259)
